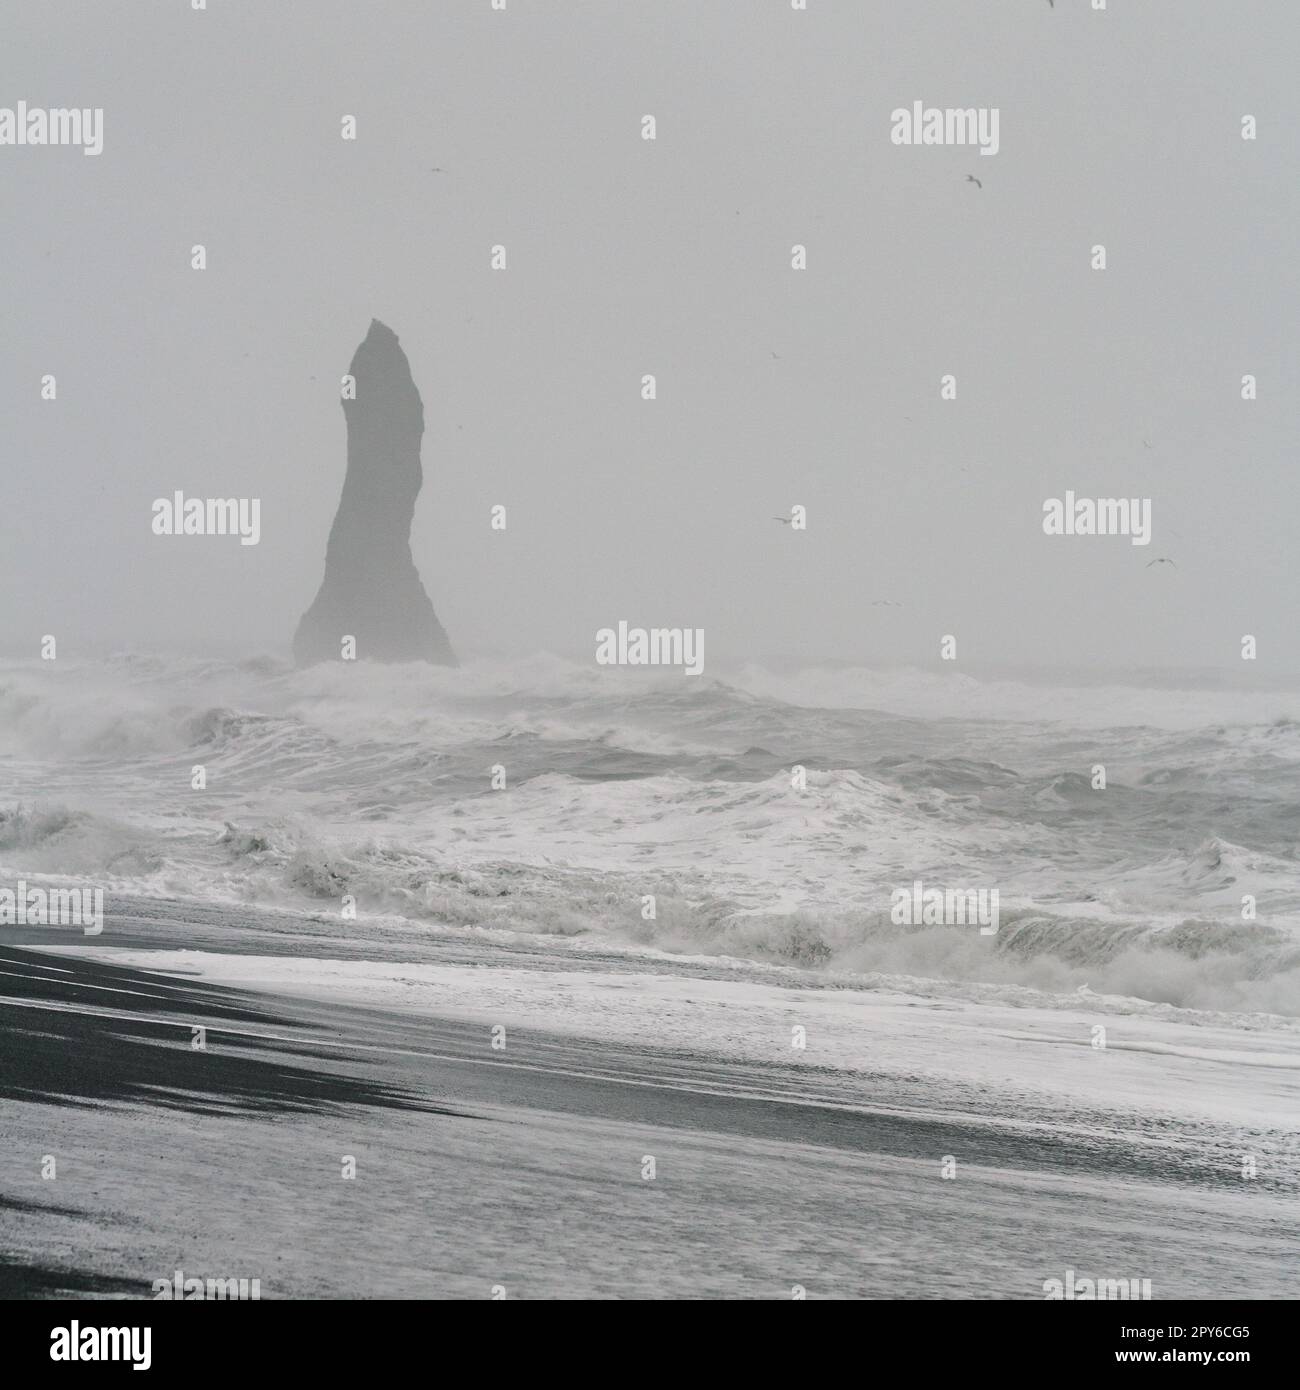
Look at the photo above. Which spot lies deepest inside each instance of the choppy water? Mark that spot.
(376, 782)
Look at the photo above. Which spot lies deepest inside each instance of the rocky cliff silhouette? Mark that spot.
(372, 590)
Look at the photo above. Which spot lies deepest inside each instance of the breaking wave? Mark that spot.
(769, 817)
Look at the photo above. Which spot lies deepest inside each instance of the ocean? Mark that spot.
(593, 980)
(610, 787)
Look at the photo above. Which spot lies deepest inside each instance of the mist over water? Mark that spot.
(375, 781)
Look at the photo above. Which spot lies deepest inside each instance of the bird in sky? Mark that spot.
(784, 520)
(970, 178)
(885, 603)
(1146, 443)
(1161, 561)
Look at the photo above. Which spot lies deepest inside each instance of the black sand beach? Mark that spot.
(477, 1169)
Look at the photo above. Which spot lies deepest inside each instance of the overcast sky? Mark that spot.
(670, 257)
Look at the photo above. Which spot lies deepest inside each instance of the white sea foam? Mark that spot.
(374, 781)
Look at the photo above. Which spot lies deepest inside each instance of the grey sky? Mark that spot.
(670, 257)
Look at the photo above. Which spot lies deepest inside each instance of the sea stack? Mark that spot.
(371, 590)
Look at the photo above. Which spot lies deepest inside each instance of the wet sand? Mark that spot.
(525, 1169)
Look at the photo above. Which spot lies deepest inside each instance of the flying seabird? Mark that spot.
(970, 178)
(1161, 561)
(784, 520)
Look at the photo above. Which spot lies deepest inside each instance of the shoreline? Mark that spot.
(524, 1167)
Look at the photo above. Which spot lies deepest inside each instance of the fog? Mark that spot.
(672, 257)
